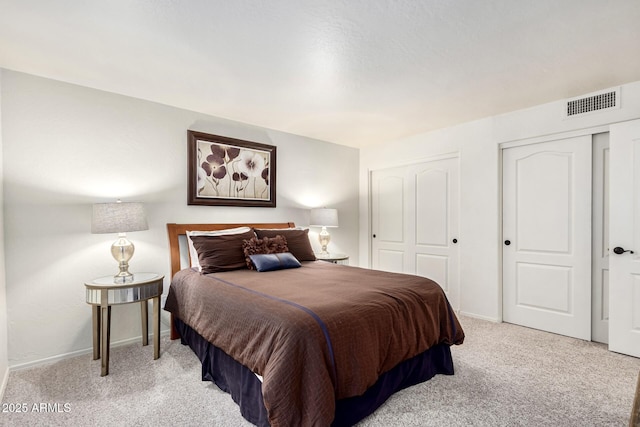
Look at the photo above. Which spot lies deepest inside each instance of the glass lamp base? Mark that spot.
(324, 237)
(123, 278)
(122, 251)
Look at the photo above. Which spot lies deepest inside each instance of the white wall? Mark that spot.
(66, 147)
(478, 145)
(4, 352)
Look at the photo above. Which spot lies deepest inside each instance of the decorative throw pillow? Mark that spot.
(271, 262)
(222, 252)
(193, 254)
(297, 240)
(268, 245)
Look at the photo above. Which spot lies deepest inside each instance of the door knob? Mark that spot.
(455, 240)
(618, 250)
(507, 242)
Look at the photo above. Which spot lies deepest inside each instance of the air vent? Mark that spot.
(597, 102)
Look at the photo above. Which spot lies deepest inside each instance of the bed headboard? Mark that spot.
(177, 230)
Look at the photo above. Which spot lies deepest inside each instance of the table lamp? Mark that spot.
(323, 217)
(119, 218)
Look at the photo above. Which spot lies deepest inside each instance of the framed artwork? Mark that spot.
(225, 171)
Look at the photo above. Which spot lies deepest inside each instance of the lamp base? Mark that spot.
(123, 277)
(122, 251)
(324, 237)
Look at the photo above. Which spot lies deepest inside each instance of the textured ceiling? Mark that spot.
(354, 72)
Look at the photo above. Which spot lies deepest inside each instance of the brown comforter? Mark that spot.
(317, 333)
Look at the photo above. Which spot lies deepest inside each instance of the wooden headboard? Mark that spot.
(177, 230)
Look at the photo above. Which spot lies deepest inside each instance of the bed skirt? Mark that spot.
(246, 389)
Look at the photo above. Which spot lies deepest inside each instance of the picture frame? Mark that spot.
(225, 171)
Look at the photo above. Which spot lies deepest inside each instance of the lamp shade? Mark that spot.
(323, 217)
(118, 218)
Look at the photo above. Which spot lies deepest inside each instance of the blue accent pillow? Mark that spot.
(270, 262)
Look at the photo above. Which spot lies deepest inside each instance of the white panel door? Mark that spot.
(547, 236)
(414, 222)
(436, 224)
(624, 235)
(388, 211)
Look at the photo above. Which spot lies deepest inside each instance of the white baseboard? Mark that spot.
(481, 317)
(3, 383)
(59, 357)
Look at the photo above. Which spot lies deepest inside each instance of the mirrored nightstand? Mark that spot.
(102, 293)
(334, 258)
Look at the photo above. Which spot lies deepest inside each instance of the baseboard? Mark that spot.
(89, 350)
(481, 317)
(3, 383)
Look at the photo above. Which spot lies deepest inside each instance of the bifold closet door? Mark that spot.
(547, 236)
(414, 220)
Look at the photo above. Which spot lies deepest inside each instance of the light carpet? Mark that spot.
(506, 375)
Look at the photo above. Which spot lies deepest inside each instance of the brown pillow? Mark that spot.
(297, 240)
(221, 253)
(268, 245)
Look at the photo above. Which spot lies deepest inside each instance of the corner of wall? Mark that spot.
(4, 350)
(4, 379)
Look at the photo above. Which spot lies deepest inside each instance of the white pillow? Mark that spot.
(193, 254)
(290, 228)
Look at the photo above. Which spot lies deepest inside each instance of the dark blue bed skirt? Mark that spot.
(246, 389)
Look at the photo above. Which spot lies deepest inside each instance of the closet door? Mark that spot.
(436, 224)
(547, 236)
(600, 230)
(390, 204)
(624, 237)
(414, 219)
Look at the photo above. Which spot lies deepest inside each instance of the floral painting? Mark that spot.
(230, 172)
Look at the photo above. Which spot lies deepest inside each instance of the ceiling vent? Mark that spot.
(599, 101)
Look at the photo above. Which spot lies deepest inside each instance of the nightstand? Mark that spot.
(334, 258)
(102, 293)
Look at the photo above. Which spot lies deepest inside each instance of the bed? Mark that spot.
(317, 344)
